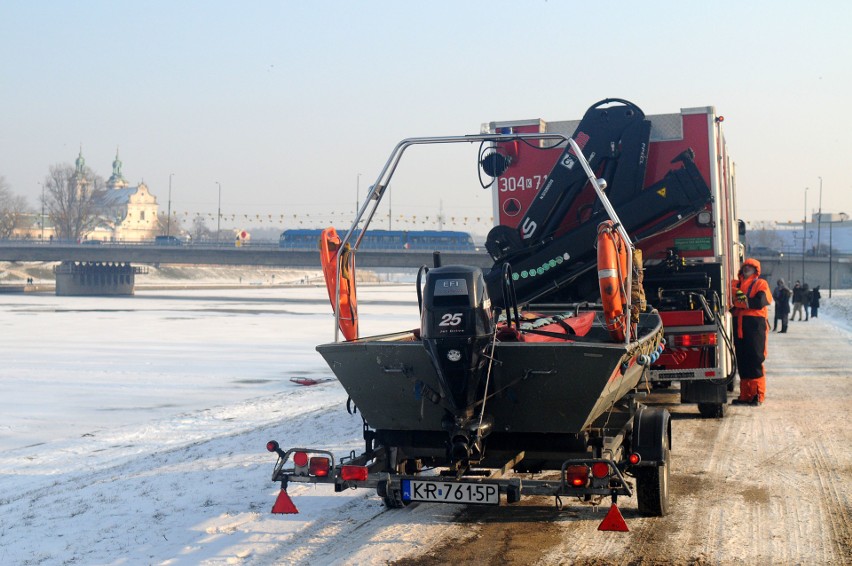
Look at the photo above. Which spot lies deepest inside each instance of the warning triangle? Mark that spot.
(285, 505)
(662, 192)
(613, 521)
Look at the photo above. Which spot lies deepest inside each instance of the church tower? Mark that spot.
(116, 181)
(80, 181)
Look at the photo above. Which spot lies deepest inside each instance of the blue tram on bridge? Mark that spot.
(386, 240)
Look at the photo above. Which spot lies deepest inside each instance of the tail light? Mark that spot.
(600, 469)
(634, 458)
(300, 463)
(319, 466)
(692, 340)
(353, 473)
(577, 476)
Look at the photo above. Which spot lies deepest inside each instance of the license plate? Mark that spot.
(450, 492)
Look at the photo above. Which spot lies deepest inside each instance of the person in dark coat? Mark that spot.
(815, 301)
(797, 301)
(781, 295)
(807, 294)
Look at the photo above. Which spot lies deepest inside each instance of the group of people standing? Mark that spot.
(805, 300)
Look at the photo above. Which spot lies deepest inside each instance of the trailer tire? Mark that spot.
(712, 410)
(652, 485)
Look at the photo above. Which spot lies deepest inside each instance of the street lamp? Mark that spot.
(819, 218)
(42, 211)
(357, 192)
(804, 234)
(219, 212)
(169, 213)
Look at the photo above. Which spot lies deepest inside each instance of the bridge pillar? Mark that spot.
(78, 278)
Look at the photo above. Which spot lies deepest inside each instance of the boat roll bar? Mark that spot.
(377, 192)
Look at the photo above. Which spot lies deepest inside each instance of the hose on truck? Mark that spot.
(727, 339)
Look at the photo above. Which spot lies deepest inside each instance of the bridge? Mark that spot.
(105, 268)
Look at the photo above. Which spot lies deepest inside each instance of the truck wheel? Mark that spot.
(652, 485)
(712, 410)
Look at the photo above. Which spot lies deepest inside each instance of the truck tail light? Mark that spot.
(353, 473)
(577, 476)
(634, 458)
(692, 340)
(319, 466)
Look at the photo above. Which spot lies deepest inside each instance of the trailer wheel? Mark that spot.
(712, 410)
(652, 485)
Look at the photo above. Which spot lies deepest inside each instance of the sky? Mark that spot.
(292, 108)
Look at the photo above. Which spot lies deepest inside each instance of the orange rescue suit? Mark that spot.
(752, 325)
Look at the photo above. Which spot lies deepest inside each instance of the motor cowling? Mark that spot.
(457, 326)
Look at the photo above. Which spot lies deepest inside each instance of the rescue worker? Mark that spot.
(751, 300)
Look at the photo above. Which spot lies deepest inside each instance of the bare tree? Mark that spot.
(764, 234)
(200, 231)
(72, 200)
(169, 226)
(13, 210)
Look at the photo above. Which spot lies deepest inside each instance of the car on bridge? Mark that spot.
(167, 241)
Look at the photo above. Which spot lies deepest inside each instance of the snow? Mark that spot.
(134, 432)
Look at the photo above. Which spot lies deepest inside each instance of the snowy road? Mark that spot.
(190, 483)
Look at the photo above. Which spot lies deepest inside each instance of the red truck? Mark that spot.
(672, 182)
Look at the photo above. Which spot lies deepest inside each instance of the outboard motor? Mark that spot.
(457, 326)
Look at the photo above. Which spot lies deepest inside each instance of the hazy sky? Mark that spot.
(285, 103)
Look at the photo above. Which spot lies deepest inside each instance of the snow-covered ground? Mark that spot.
(134, 432)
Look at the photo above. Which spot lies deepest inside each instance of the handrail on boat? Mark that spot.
(377, 191)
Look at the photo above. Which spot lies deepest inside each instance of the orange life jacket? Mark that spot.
(751, 286)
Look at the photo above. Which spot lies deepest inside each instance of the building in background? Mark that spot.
(128, 214)
(824, 235)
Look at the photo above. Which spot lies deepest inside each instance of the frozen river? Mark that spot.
(75, 365)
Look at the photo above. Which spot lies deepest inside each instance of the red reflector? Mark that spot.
(613, 521)
(710, 373)
(634, 458)
(687, 340)
(600, 469)
(577, 476)
(353, 473)
(300, 459)
(319, 466)
(284, 504)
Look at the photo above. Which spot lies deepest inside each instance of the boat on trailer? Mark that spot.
(487, 390)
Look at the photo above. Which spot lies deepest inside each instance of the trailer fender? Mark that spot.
(652, 432)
